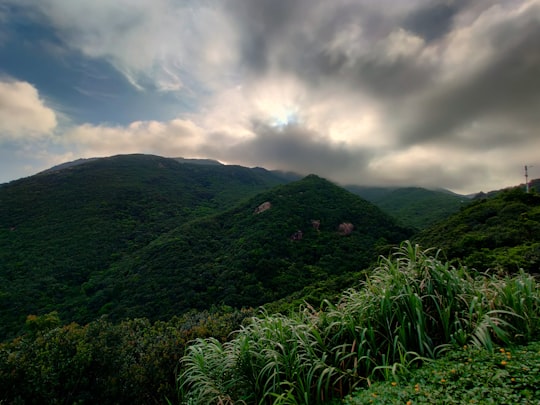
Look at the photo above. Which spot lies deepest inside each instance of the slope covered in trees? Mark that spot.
(311, 230)
(413, 206)
(499, 232)
(367, 345)
(60, 227)
(140, 235)
(218, 248)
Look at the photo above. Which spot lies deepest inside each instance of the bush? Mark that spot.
(133, 362)
(412, 308)
(469, 375)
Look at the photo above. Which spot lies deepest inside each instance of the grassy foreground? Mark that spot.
(463, 376)
(413, 308)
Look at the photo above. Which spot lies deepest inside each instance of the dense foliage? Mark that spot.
(132, 362)
(501, 232)
(412, 308)
(143, 236)
(413, 206)
(243, 258)
(129, 247)
(468, 375)
(60, 228)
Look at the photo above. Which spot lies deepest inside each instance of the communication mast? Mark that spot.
(527, 178)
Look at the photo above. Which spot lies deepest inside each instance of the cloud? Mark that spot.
(431, 92)
(434, 19)
(163, 44)
(22, 112)
(489, 70)
(296, 148)
(173, 138)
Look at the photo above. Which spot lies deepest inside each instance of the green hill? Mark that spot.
(313, 230)
(61, 226)
(148, 239)
(413, 206)
(500, 231)
(140, 235)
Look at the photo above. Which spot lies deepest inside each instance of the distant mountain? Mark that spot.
(498, 231)
(59, 227)
(413, 206)
(534, 186)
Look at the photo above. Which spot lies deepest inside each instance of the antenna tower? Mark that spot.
(527, 178)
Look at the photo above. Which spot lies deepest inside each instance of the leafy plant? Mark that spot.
(133, 362)
(413, 308)
(469, 375)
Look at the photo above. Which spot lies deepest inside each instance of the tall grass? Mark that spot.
(412, 307)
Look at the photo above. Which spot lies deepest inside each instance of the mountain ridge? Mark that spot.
(67, 236)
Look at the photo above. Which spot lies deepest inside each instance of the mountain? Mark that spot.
(60, 226)
(141, 235)
(270, 246)
(413, 206)
(498, 231)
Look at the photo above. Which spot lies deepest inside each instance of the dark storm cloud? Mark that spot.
(379, 89)
(293, 147)
(401, 59)
(434, 19)
(293, 34)
(323, 43)
(384, 78)
(263, 24)
(506, 88)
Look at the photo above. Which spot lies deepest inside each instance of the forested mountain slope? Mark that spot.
(140, 235)
(499, 232)
(61, 226)
(264, 249)
(413, 206)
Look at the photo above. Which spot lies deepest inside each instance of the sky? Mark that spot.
(429, 93)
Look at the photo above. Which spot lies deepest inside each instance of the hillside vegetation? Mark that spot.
(241, 257)
(413, 307)
(414, 207)
(500, 232)
(384, 334)
(144, 236)
(59, 228)
(136, 280)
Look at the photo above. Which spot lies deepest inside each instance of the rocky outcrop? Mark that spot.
(345, 228)
(263, 207)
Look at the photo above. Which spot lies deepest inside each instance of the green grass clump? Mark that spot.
(412, 308)
(464, 376)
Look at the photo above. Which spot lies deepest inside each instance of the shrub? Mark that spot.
(412, 308)
(469, 375)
